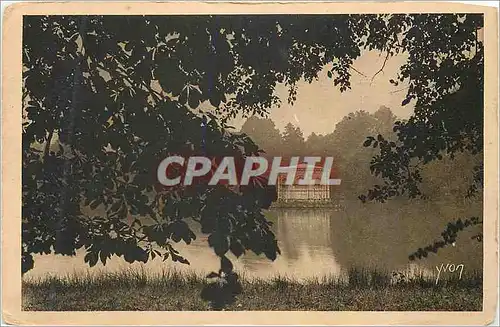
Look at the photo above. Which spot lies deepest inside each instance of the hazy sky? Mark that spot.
(320, 105)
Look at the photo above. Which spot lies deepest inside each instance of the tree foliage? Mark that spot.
(264, 133)
(105, 98)
(447, 81)
(344, 144)
(293, 142)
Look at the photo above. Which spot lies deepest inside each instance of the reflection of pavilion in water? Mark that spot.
(302, 227)
(305, 242)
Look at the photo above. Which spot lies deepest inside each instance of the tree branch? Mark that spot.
(396, 91)
(381, 68)
(357, 71)
(47, 145)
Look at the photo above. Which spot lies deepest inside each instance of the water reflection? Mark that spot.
(320, 242)
(383, 235)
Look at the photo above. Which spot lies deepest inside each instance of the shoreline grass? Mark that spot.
(358, 290)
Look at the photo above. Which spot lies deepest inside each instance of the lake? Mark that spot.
(321, 242)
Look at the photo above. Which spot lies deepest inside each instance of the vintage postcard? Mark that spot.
(194, 163)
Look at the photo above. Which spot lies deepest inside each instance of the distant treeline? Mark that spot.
(445, 177)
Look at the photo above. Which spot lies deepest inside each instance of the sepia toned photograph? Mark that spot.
(331, 161)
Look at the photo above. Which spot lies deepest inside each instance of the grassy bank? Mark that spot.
(362, 290)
